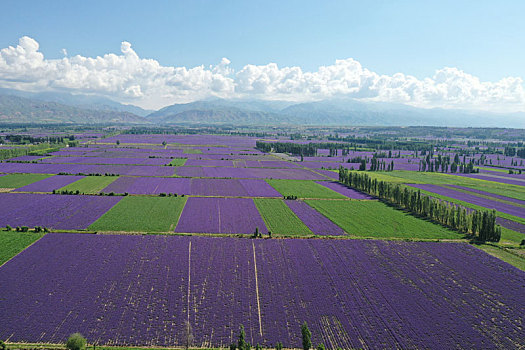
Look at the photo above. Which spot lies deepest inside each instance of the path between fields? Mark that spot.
(257, 289)
(189, 279)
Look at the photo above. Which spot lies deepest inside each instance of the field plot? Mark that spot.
(53, 211)
(220, 215)
(303, 189)
(13, 243)
(374, 294)
(142, 214)
(90, 184)
(489, 195)
(248, 173)
(134, 170)
(195, 186)
(107, 160)
(208, 162)
(149, 185)
(508, 190)
(19, 180)
(499, 179)
(49, 184)
(344, 190)
(510, 209)
(376, 219)
(279, 218)
(315, 221)
(178, 161)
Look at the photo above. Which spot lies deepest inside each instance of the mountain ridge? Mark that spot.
(49, 107)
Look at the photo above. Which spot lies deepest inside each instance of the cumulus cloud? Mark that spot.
(129, 78)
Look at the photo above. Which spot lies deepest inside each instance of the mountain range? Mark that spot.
(51, 107)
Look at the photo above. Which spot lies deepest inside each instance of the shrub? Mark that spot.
(76, 342)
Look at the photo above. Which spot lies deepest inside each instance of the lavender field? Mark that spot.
(353, 294)
(53, 211)
(159, 233)
(220, 215)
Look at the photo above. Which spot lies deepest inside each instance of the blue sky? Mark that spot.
(483, 38)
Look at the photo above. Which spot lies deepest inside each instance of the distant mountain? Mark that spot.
(222, 112)
(82, 101)
(15, 109)
(328, 112)
(54, 107)
(352, 112)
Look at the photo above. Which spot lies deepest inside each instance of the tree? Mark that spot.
(279, 346)
(307, 336)
(2, 345)
(320, 347)
(188, 335)
(118, 142)
(76, 342)
(241, 343)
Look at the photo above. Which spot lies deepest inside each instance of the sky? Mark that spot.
(448, 54)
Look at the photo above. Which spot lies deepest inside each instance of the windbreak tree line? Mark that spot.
(479, 223)
(307, 150)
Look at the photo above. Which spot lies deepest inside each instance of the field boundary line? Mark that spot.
(20, 252)
(189, 280)
(257, 289)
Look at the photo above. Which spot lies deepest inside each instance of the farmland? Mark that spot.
(279, 218)
(303, 189)
(89, 184)
(20, 180)
(359, 219)
(161, 235)
(13, 243)
(375, 290)
(149, 214)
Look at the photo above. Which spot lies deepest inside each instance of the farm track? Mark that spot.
(257, 289)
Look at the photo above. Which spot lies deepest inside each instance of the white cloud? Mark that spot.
(128, 78)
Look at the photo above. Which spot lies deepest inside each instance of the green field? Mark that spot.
(376, 219)
(510, 236)
(504, 255)
(178, 161)
(303, 189)
(513, 191)
(280, 219)
(142, 214)
(13, 242)
(90, 184)
(20, 180)
(499, 170)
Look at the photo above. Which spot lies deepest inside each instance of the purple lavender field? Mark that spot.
(220, 215)
(53, 211)
(344, 190)
(471, 198)
(316, 222)
(50, 184)
(505, 198)
(352, 293)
